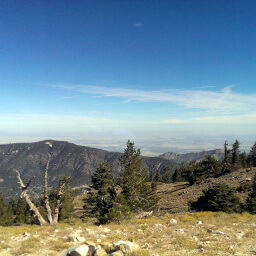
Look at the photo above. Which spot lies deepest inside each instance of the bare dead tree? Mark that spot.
(32, 207)
(46, 198)
(52, 216)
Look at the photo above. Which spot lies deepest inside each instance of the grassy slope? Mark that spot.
(219, 234)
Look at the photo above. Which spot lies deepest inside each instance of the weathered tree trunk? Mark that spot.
(58, 203)
(29, 202)
(46, 198)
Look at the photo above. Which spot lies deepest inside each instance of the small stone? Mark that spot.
(100, 251)
(199, 222)
(108, 247)
(26, 234)
(219, 232)
(116, 253)
(126, 246)
(173, 222)
(80, 239)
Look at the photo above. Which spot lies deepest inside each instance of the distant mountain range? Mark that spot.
(79, 162)
(179, 158)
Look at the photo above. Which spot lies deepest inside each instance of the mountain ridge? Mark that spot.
(218, 154)
(78, 162)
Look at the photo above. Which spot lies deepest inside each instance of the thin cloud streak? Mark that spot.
(138, 25)
(224, 101)
(224, 119)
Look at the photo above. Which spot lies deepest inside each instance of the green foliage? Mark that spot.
(219, 197)
(100, 203)
(120, 210)
(180, 174)
(133, 179)
(5, 212)
(252, 156)
(236, 160)
(166, 175)
(67, 206)
(251, 200)
(22, 213)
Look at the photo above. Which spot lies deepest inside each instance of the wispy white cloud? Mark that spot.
(223, 101)
(244, 119)
(137, 25)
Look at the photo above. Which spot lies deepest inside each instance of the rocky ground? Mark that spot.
(177, 234)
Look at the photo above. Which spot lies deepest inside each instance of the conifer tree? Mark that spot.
(5, 212)
(251, 200)
(103, 199)
(226, 163)
(139, 194)
(252, 155)
(236, 161)
(219, 197)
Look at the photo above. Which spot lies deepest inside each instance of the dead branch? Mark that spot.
(29, 202)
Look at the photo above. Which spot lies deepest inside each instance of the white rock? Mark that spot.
(100, 251)
(106, 230)
(126, 246)
(199, 222)
(116, 253)
(219, 232)
(173, 221)
(78, 250)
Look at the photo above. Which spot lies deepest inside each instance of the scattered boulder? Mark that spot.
(78, 250)
(126, 246)
(99, 251)
(116, 253)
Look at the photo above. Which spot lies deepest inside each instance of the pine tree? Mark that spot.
(219, 197)
(226, 163)
(101, 202)
(251, 200)
(5, 212)
(252, 155)
(22, 213)
(167, 175)
(236, 161)
(133, 181)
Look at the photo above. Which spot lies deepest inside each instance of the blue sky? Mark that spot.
(170, 75)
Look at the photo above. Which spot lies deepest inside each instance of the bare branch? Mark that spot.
(29, 202)
(24, 188)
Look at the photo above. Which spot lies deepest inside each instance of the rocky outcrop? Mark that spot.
(119, 248)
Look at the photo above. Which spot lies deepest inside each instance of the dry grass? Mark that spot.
(219, 234)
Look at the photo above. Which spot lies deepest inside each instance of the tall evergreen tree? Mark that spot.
(236, 161)
(133, 180)
(101, 201)
(252, 155)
